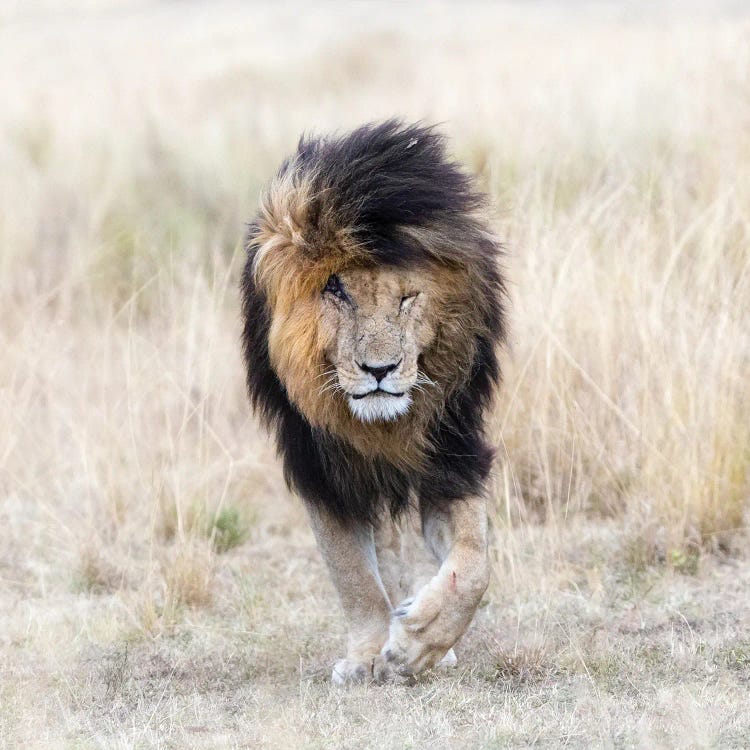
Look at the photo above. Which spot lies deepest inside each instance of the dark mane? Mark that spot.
(390, 189)
(381, 178)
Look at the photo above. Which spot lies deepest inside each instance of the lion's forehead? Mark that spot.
(379, 287)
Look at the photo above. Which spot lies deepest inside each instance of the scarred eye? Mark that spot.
(333, 286)
(407, 300)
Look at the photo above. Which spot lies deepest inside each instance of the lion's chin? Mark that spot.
(377, 408)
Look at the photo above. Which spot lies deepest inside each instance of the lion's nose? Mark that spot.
(379, 371)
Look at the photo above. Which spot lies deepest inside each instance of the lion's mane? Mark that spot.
(383, 194)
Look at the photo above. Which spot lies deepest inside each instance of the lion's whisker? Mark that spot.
(332, 387)
(422, 378)
(329, 372)
(330, 383)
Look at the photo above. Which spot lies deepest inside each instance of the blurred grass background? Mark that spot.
(158, 586)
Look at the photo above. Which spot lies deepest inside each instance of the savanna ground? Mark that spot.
(158, 585)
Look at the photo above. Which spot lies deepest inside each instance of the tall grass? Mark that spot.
(616, 157)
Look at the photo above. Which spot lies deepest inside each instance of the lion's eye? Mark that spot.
(406, 301)
(333, 286)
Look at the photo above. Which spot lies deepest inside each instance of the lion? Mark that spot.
(373, 312)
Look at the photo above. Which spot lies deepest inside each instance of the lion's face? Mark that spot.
(375, 322)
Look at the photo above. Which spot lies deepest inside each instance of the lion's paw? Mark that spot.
(347, 672)
(351, 672)
(385, 671)
(448, 661)
(422, 633)
(409, 655)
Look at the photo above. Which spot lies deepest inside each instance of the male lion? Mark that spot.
(372, 307)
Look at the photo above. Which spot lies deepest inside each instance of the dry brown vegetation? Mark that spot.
(158, 586)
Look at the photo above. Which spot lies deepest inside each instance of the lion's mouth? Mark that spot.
(375, 392)
(379, 405)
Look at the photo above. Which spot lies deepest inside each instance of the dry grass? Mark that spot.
(158, 588)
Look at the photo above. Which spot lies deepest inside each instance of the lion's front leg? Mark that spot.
(423, 629)
(349, 553)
